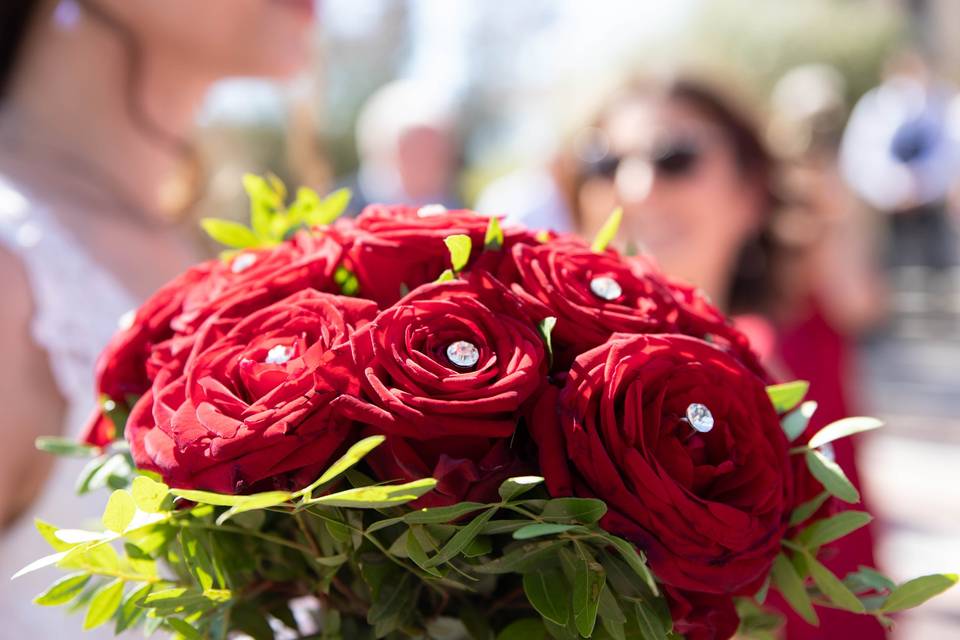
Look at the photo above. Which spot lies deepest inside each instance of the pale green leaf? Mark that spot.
(546, 327)
(806, 510)
(446, 276)
(230, 233)
(63, 590)
(493, 239)
(514, 487)
(460, 247)
(353, 455)
(376, 497)
(831, 476)
(842, 429)
(790, 586)
(832, 587)
(65, 447)
(255, 502)
(788, 395)
(915, 592)
(104, 604)
(130, 610)
(829, 529)
(795, 422)
(119, 511)
(148, 494)
(607, 232)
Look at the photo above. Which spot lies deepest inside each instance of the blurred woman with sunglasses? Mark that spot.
(97, 98)
(700, 192)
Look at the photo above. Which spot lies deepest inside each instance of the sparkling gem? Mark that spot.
(700, 417)
(463, 354)
(606, 288)
(431, 210)
(243, 262)
(279, 354)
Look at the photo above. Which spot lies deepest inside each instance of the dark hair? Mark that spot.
(753, 285)
(15, 19)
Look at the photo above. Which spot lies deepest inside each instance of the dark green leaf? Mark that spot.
(824, 531)
(915, 592)
(524, 629)
(867, 579)
(479, 546)
(514, 487)
(462, 538)
(635, 560)
(831, 476)
(439, 515)
(130, 610)
(842, 429)
(521, 558)
(588, 584)
(832, 587)
(416, 553)
(63, 590)
(788, 395)
(548, 591)
(535, 530)
(585, 510)
(790, 586)
(104, 604)
(184, 628)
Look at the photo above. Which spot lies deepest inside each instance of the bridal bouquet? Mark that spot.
(423, 424)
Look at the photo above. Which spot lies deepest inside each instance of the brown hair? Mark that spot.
(752, 286)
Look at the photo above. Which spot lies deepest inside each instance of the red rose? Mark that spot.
(451, 365)
(709, 508)
(703, 616)
(162, 330)
(592, 295)
(255, 402)
(395, 249)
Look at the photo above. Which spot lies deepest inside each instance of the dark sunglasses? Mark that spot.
(676, 159)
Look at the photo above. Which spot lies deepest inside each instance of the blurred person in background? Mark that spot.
(97, 98)
(901, 154)
(408, 148)
(700, 193)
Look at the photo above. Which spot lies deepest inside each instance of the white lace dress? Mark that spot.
(77, 305)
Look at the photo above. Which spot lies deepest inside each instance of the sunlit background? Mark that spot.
(512, 78)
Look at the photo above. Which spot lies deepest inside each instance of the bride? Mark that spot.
(96, 99)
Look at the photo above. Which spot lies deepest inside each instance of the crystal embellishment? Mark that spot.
(463, 354)
(606, 288)
(700, 417)
(279, 354)
(243, 262)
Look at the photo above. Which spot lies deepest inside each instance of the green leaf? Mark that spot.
(63, 590)
(446, 276)
(148, 494)
(264, 202)
(653, 618)
(588, 584)
(513, 487)
(606, 234)
(130, 612)
(184, 628)
(377, 496)
(219, 499)
(521, 558)
(119, 512)
(331, 207)
(795, 422)
(824, 531)
(524, 629)
(867, 579)
(915, 592)
(460, 247)
(831, 476)
(545, 328)
(790, 586)
(254, 502)
(832, 587)
(416, 553)
(65, 447)
(353, 455)
(548, 592)
(493, 239)
(806, 510)
(439, 515)
(585, 510)
(462, 538)
(636, 561)
(104, 604)
(788, 395)
(230, 233)
(842, 429)
(535, 530)
(49, 533)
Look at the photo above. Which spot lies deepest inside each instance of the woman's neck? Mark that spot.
(71, 97)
